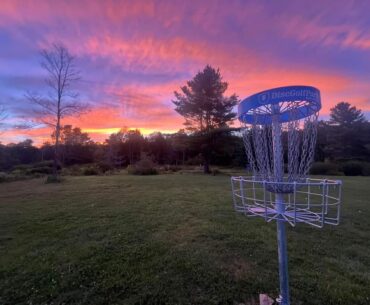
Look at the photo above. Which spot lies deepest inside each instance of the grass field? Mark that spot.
(169, 239)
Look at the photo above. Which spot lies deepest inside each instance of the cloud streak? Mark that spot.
(134, 54)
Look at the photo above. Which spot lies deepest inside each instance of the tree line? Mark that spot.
(124, 148)
(208, 136)
(345, 137)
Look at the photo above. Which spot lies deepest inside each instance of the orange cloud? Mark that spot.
(175, 39)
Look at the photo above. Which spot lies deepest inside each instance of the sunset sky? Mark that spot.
(134, 54)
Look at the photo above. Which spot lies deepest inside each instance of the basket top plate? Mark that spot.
(286, 103)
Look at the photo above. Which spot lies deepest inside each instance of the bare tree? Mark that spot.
(61, 100)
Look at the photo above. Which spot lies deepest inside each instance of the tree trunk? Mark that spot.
(56, 151)
(206, 169)
(206, 153)
(57, 135)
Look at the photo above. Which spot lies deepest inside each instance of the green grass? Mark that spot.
(169, 239)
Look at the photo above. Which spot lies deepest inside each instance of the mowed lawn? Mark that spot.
(170, 239)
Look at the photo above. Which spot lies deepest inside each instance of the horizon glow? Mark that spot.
(134, 54)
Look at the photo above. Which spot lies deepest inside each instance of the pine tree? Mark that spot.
(205, 108)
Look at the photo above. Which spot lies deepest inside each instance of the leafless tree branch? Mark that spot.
(62, 99)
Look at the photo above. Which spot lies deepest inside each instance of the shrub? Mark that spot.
(352, 168)
(321, 168)
(3, 177)
(17, 172)
(195, 160)
(172, 168)
(53, 179)
(105, 167)
(22, 167)
(215, 172)
(40, 170)
(43, 167)
(366, 169)
(144, 167)
(90, 171)
(74, 170)
(48, 163)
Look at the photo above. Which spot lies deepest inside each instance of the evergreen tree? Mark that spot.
(343, 114)
(205, 108)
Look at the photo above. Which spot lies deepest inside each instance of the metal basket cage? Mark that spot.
(315, 202)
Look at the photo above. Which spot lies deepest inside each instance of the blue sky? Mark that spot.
(134, 54)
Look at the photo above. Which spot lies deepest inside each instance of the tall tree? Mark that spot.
(134, 142)
(347, 133)
(74, 136)
(159, 147)
(61, 100)
(205, 108)
(343, 114)
(180, 145)
(115, 143)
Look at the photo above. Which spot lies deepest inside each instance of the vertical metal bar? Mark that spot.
(326, 196)
(233, 191)
(339, 199)
(254, 192)
(271, 202)
(280, 208)
(264, 199)
(241, 191)
(323, 185)
(295, 200)
(282, 252)
(308, 193)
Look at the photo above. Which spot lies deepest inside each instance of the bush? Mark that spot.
(48, 163)
(144, 167)
(53, 179)
(3, 177)
(90, 171)
(366, 169)
(172, 168)
(321, 168)
(22, 167)
(74, 170)
(215, 172)
(352, 168)
(14, 176)
(195, 160)
(105, 167)
(17, 172)
(40, 170)
(43, 167)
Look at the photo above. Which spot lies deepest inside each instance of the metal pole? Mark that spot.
(283, 255)
(280, 207)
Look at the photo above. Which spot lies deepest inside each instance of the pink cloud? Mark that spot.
(174, 38)
(316, 31)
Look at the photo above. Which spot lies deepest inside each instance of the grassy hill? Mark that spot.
(169, 239)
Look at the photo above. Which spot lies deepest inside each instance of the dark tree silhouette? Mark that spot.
(205, 108)
(134, 143)
(343, 114)
(347, 133)
(180, 145)
(61, 100)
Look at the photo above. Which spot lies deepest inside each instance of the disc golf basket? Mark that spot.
(279, 136)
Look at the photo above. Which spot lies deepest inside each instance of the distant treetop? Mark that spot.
(343, 114)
